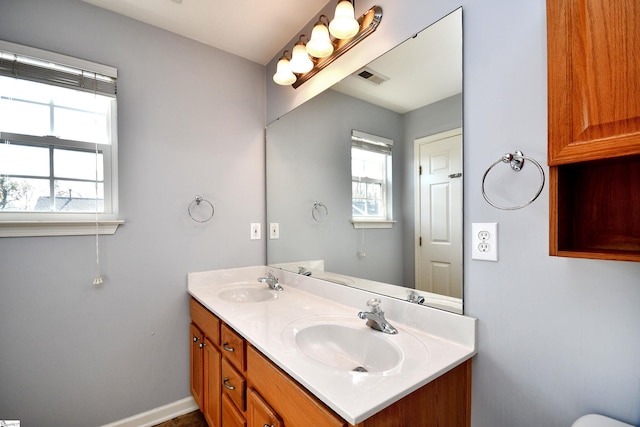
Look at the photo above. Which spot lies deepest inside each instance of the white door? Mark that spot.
(439, 213)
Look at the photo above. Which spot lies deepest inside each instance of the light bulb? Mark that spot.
(320, 45)
(300, 61)
(284, 76)
(344, 24)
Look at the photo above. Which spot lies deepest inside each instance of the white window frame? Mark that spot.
(22, 224)
(362, 140)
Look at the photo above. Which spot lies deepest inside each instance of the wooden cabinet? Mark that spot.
(217, 369)
(445, 401)
(594, 128)
(197, 364)
(233, 347)
(205, 362)
(293, 403)
(231, 416)
(254, 392)
(259, 413)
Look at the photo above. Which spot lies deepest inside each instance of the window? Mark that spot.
(370, 180)
(58, 144)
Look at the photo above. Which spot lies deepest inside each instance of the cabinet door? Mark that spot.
(197, 365)
(259, 413)
(593, 79)
(231, 416)
(212, 391)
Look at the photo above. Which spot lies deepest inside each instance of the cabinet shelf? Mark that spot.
(597, 209)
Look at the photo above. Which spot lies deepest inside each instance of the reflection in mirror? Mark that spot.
(411, 98)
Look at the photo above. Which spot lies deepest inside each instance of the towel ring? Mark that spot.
(198, 200)
(516, 161)
(319, 212)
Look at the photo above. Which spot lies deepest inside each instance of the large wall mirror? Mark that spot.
(409, 102)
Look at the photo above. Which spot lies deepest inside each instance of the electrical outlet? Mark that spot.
(256, 233)
(274, 230)
(484, 241)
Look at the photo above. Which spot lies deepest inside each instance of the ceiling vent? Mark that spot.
(371, 76)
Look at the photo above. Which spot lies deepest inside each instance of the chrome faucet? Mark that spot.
(272, 281)
(304, 271)
(375, 317)
(414, 297)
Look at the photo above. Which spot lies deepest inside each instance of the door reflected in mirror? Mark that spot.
(411, 96)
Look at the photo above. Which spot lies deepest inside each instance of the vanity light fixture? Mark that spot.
(329, 41)
(320, 45)
(344, 24)
(284, 76)
(300, 61)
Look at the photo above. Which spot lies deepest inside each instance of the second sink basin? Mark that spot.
(347, 348)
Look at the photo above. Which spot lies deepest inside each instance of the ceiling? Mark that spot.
(430, 61)
(424, 69)
(255, 30)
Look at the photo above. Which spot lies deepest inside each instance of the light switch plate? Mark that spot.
(484, 241)
(274, 230)
(256, 233)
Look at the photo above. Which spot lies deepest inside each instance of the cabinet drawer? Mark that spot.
(231, 416)
(233, 384)
(232, 347)
(206, 321)
(299, 407)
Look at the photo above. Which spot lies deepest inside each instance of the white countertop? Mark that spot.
(436, 340)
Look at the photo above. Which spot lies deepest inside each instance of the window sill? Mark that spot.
(57, 228)
(372, 223)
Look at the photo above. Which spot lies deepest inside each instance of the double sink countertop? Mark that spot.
(430, 342)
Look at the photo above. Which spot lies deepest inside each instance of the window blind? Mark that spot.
(22, 66)
(366, 141)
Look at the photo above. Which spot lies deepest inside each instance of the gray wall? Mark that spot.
(191, 121)
(309, 161)
(557, 337)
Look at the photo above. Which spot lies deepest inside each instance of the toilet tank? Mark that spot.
(593, 420)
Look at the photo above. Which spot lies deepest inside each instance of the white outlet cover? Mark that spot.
(484, 241)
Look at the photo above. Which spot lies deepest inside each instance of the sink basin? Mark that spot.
(347, 348)
(246, 294)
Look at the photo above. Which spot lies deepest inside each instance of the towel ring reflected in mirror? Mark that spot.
(516, 161)
(196, 205)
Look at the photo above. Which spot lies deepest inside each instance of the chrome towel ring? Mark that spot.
(516, 161)
(319, 212)
(197, 202)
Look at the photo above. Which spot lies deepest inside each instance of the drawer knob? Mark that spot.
(227, 386)
(201, 345)
(227, 348)
(195, 339)
(267, 425)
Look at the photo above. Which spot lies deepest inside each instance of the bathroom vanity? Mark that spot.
(301, 356)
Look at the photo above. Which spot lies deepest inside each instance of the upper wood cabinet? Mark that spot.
(594, 128)
(594, 79)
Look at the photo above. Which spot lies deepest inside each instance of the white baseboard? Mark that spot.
(158, 415)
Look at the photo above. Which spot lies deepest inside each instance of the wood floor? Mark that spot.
(192, 419)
